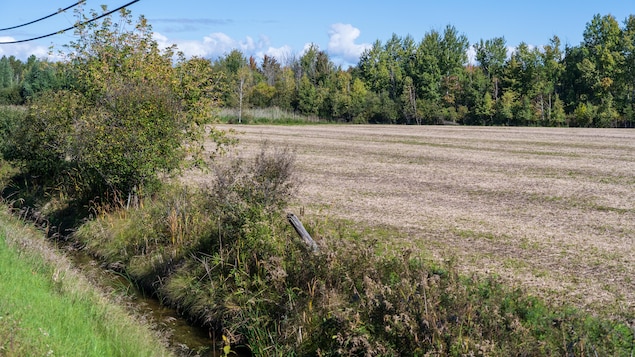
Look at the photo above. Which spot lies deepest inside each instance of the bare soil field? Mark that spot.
(549, 209)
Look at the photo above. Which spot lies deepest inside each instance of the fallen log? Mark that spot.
(299, 228)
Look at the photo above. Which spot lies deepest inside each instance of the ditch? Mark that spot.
(183, 337)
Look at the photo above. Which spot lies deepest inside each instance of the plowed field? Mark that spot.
(551, 210)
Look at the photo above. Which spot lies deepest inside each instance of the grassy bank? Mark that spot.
(48, 309)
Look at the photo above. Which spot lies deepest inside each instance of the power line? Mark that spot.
(45, 17)
(72, 27)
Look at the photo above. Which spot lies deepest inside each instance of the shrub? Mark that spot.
(130, 115)
(262, 186)
(10, 116)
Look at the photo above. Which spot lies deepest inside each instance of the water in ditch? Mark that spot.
(184, 338)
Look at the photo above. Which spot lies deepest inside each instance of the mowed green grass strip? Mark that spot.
(48, 309)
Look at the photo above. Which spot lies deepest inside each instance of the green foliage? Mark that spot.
(21, 81)
(431, 81)
(130, 114)
(557, 116)
(39, 77)
(491, 55)
(308, 98)
(42, 139)
(230, 65)
(7, 76)
(10, 117)
(262, 95)
(583, 115)
(11, 96)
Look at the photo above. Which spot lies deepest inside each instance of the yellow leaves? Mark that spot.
(196, 89)
(227, 346)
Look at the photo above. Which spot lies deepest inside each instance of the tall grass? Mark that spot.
(48, 309)
(271, 115)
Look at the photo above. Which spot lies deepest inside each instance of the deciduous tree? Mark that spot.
(129, 116)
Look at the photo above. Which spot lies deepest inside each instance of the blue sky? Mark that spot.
(342, 28)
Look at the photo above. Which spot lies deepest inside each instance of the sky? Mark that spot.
(284, 29)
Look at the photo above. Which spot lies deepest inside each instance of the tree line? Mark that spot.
(22, 80)
(402, 81)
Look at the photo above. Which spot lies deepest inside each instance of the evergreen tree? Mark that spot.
(40, 76)
(308, 100)
(6, 73)
(491, 55)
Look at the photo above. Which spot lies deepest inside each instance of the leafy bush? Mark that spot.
(10, 95)
(266, 182)
(131, 114)
(41, 139)
(10, 116)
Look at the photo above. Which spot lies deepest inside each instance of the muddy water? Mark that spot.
(186, 339)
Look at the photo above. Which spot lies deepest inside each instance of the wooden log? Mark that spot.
(299, 228)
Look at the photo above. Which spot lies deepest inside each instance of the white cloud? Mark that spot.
(23, 50)
(6, 39)
(218, 44)
(471, 55)
(188, 47)
(281, 54)
(341, 47)
(162, 41)
(342, 43)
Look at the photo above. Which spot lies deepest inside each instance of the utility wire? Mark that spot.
(72, 27)
(45, 17)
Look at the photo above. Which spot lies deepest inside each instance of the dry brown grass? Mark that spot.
(550, 209)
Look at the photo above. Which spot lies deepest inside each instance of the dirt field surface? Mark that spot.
(548, 209)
